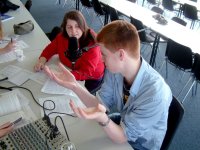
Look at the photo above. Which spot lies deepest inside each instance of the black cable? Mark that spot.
(32, 97)
(6, 78)
(44, 108)
(54, 105)
(63, 126)
(5, 88)
(54, 112)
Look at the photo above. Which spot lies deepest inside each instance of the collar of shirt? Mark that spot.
(138, 80)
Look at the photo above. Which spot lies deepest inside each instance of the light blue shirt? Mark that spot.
(144, 116)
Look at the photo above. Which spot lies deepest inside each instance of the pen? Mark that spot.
(11, 40)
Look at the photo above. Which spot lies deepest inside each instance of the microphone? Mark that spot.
(73, 52)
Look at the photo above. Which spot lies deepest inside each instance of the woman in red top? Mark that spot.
(88, 66)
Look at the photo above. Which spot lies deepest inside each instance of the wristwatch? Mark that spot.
(104, 124)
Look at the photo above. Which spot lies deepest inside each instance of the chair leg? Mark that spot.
(57, 2)
(194, 91)
(162, 65)
(85, 9)
(65, 3)
(192, 24)
(188, 91)
(184, 86)
(101, 20)
(182, 76)
(166, 69)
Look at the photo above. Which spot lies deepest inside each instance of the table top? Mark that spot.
(172, 30)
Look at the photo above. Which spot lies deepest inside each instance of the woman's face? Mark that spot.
(73, 29)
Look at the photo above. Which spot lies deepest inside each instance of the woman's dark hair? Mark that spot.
(79, 18)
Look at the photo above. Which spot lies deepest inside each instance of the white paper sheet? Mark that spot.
(15, 74)
(11, 102)
(39, 77)
(8, 57)
(51, 87)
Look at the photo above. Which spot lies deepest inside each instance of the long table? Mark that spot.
(172, 30)
(85, 134)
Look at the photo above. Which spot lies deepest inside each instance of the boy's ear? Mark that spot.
(121, 54)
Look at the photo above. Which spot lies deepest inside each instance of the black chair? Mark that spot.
(168, 4)
(151, 2)
(194, 0)
(196, 70)
(100, 11)
(190, 12)
(145, 38)
(179, 20)
(132, 1)
(195, 77)
(158, 10)
(28, 4)
(86, 4)
(54, 32)
(176, 112)
(179, 56)
(113, 14)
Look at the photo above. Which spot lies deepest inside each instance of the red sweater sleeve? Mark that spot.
(53, 47)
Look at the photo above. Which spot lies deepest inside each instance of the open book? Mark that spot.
(13, 105)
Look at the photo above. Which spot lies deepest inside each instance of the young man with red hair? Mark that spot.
(131, 86)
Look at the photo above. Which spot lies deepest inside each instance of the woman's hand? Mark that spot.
(64, 78)
(97, 113)
(5, 129)
(40, 64)
(9, 47)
